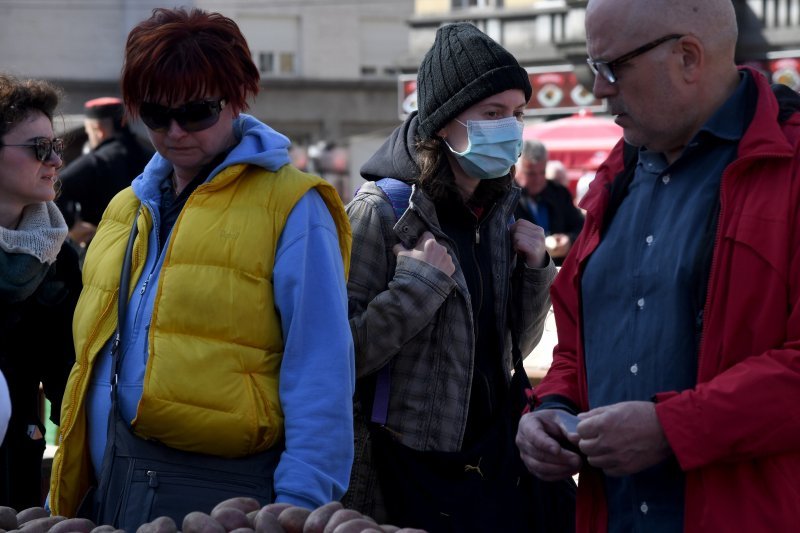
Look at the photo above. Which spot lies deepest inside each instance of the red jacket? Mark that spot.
(736, 434)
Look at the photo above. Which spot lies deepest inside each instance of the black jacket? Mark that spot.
(35, 346)
(564, 216)
(92, 180)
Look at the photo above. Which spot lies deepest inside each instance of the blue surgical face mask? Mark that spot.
(494, 146)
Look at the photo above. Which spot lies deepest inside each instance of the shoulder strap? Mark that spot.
(399, 194)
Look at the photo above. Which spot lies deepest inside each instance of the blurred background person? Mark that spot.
(115, 157)
(557, 171)
(39, 283)
(545, 202)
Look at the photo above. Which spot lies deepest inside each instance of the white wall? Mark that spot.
(67, 39)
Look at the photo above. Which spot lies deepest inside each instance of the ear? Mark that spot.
(692, 57)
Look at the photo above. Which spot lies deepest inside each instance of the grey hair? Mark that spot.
(534, 150)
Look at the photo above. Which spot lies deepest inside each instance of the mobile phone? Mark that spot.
(569, 424)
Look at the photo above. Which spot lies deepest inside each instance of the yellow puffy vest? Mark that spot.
(215, 342)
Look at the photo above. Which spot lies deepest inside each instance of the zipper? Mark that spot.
(144, 285)
(155, 478)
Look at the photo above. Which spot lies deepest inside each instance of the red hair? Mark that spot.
(177, 56)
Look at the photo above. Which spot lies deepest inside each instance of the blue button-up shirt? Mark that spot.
(640, 304)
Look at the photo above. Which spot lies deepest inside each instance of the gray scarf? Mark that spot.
(27, 252)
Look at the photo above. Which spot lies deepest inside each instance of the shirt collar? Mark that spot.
(730, 121)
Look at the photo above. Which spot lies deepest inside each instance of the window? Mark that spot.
(266, 62)
(287, 63)
(276, 62)
(464, 4)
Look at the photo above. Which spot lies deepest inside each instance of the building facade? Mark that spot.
(337, 74)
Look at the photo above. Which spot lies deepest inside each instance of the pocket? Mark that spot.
(158, 490)
(143, 480)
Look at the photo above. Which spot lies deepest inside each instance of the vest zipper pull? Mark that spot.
(153, 481)
(144, 285)
(477, 234)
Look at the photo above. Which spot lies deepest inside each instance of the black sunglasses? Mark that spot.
(606, 68)
(43, 147)
(191, 116)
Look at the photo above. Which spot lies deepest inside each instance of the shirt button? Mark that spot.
(643, 507)
(649, 240)
(640, 303)
(665, 178)
(634, 369)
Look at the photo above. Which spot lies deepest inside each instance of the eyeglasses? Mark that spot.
(191, 116)
(43, 147)
(606, 68)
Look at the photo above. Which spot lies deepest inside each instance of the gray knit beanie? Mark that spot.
(463, 67)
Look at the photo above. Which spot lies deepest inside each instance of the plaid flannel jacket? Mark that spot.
(412, 315)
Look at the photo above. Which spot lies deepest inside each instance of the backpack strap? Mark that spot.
(399, 194)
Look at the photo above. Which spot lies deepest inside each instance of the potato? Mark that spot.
(197, 522)
(78, 525)
(316, 521)
(103, 529)
(277, 508)
(162, 524)
(267, 522)
(243, 503)
(251, 518)
(41, 525)
(357, 525)
(31, 513)
(8, 518)
(293, 518)
(389, 528)
(230, 517)
(243, 530)
(339, 517)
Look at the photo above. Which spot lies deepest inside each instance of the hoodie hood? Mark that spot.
(397, 157)
(258, 145)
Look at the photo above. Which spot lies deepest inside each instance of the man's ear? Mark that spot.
(692, 56)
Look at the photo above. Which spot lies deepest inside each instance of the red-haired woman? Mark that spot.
(236, 313)
(39, 282)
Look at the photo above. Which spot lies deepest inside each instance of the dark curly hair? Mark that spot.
(178, 55)
(437, 179)
(20, 98)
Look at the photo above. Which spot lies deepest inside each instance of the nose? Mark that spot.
(174, 129)
(602, 88)
(54, 159)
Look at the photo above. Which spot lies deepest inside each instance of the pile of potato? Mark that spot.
(236, 515)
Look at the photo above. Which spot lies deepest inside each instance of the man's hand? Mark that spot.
(623, 438)
(428, 251)
(539, 448)
(528, 241)
(558, 244)
(82, 232)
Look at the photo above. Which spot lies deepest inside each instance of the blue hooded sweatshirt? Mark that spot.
(317, 375)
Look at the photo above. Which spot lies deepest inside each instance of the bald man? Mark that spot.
(678, 309)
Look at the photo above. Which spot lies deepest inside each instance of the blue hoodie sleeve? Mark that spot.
(317, 377)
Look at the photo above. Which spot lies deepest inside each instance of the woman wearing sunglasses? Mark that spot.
(39, 282)
(234, 340)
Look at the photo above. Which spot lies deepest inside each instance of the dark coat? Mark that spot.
(35, 346)
(564, 216)
(93, 179)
